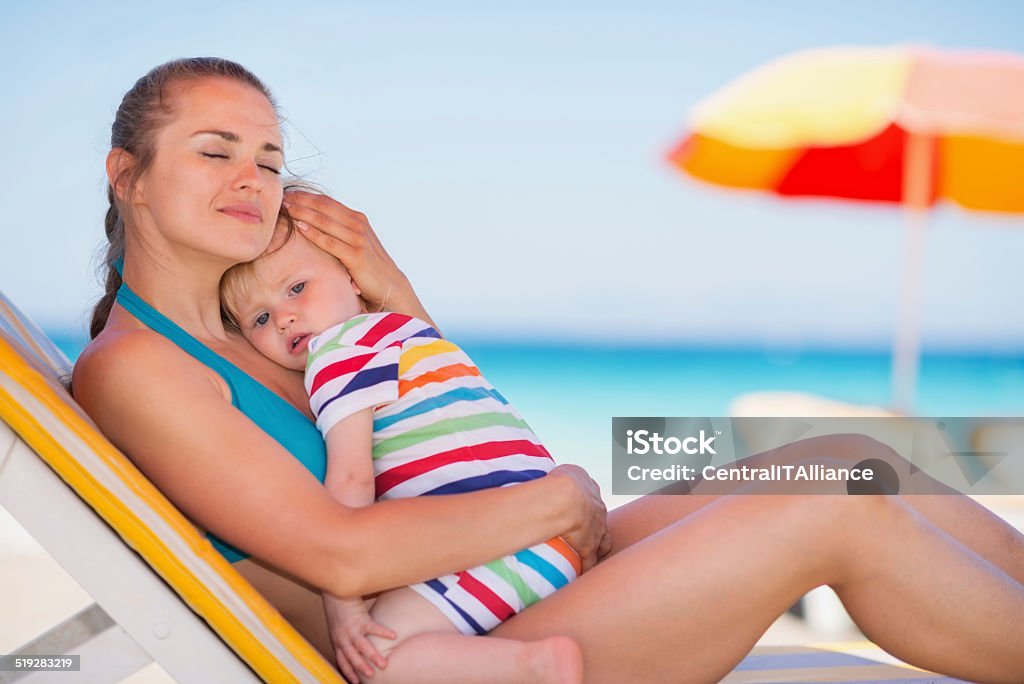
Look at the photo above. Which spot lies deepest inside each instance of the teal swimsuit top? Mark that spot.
(274, 415)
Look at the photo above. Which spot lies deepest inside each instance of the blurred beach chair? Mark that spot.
(161, 591)
(986, 439)
(828, 664)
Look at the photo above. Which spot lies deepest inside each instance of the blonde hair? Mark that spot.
(234, 287)
(236, 283)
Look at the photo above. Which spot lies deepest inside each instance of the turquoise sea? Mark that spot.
(569, 393)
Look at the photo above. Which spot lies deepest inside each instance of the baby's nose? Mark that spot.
(285, 321)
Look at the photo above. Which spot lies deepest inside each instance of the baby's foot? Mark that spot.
(556, 660)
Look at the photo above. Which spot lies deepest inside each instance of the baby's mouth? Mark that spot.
(298, 340)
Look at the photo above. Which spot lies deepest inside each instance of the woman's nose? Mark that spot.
(248, 175)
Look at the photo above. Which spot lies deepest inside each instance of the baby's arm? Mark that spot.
(350, 460)
(349, 480)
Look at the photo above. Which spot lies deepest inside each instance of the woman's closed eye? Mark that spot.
(266, 167)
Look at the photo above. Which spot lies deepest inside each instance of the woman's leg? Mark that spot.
(961, 517)
(687, 603)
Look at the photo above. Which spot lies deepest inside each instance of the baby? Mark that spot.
(406, 413)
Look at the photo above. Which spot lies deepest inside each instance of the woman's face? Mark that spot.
(214, 186)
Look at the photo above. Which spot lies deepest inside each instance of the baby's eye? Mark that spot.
(297, 288)
(261, 320)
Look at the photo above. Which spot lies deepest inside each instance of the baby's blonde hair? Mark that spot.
(236, 283)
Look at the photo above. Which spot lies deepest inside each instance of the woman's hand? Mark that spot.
(589, 536)
(348, 623)
(346, 234)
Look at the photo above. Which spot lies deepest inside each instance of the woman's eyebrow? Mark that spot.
(233, 137)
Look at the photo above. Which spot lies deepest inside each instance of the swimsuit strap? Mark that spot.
(279, 419)
(157, 322)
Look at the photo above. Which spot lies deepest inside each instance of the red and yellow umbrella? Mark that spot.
(902, 124)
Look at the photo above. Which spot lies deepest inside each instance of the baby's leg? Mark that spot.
(429, 648)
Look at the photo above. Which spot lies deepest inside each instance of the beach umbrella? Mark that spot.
(907, 125)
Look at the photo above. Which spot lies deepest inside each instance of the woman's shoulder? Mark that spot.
(120, 349)
(120, 358)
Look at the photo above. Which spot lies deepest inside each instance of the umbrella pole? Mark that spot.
(917, 196)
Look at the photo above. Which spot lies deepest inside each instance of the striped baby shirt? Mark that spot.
(438, 428)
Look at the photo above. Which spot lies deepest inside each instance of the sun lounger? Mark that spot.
(161, 592)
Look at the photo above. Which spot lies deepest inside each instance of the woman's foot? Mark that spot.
(556, 660)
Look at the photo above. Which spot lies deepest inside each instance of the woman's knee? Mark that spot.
(815, 514)
(850, 448)
(854, 447)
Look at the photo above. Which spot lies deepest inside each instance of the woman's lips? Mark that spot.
(246, 213)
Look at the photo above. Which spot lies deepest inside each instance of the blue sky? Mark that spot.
(512, 160)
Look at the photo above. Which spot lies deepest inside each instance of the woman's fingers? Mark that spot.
(323, 204)
(328, 242)
(587, 536)
(311, 223)
(347, 235)
(348, 231)
(606, 545)
(319, 212)
(343, 233)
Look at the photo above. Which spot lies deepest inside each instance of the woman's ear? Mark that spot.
(119, 169)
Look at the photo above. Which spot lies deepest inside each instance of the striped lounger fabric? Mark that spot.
(858, 663)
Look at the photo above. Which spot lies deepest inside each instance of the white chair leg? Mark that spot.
(107, 654)
(136, 599)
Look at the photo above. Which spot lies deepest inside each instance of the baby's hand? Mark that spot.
(350, 622)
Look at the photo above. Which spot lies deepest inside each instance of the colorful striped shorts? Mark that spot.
(478, 600)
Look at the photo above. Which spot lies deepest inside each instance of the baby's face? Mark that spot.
(296, 292)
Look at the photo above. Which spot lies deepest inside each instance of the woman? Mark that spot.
(195, 188)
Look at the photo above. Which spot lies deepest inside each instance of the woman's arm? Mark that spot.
(347, 235)
(231, 478)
